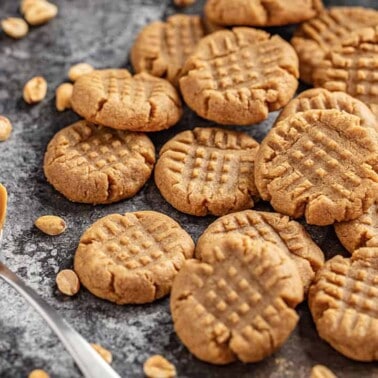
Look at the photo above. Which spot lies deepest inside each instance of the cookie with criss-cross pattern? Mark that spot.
(238, 76)
(161, 48)
(98, 165)
(238, 302)
(132, 258)
(320, 98)
(352, 67)
(316, 37)
(275, 228)
(208, 171)
(344, 304)
(118, 100)
(320, 163)
(261, 12)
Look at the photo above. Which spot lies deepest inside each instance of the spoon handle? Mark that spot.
(87, 359)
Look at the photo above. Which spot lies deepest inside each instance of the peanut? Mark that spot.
(3, 205)
(26, 4)
(35, 90)
(78, 70)
(63, 96)
(104, 353)
(38, 373)
(15, 27)
(183, 3)
(321, 371)
(5, 128)
(158, 367)
(40, 12)
(68, 282)
(51, 225)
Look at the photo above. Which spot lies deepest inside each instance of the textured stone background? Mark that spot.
(101, 32)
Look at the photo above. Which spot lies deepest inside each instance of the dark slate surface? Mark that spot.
(101, 32)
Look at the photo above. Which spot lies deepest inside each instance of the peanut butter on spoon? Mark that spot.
(3, 205)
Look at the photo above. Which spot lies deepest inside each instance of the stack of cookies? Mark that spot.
(236, 299)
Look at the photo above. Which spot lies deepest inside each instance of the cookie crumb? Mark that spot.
(104, 353)
(40, 12)
(35, 90)
(51, 225)
(68, 282)
(321, 371)
(38, 373)
(79, 70)
(5, 128)
(15, 27)
(63, 96)
(158, 367)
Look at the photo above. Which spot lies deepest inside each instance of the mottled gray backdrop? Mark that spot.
(101, 32)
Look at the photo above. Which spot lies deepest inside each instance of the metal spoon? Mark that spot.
(87, 359)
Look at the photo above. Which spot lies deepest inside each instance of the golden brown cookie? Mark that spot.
(238, 303)
(314, 38)
(161, 48)
(360, 232)
(352, 67)
(320, 163)
(238, 76)
(208, 171)
(344, 304)
(132, 258)
(94, 164)
(320, 98)
(210, 26)
(118, 100)
(274, 228)
(261, 12)
(3, 205)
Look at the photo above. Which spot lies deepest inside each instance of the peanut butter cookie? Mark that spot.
(161, 48)
(360, 232)
(238, 303)
(320, 163)
(319, 98)
(275, 228)
(132, 258)
(344, 304)
(314, 38)
(94, 164)
(118, 100)
(208, 171)
(261, 12)
(238, 76)
(352, 67)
